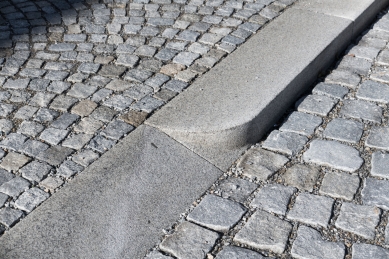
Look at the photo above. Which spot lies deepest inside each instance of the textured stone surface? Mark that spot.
(15, 186)
(340, 185)
(235, 252)
(265, 231)
(30, 199)
(373, 91)
(376, 192)
(344, 130)
(316, 104)
(236, 189)
(380, 165)
(301, 123)
(35, 171)
(217, 213)
(359, 109)
(333, 154)
(330, 90)
(362, 251)
(378, 138)
(13, 161)
(288, 143)
(9, 216)
(312, 209)
(310, 244)
(301, 176)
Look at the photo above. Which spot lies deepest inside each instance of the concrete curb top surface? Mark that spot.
(119, 205)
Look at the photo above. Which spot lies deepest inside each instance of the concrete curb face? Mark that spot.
(118, 207)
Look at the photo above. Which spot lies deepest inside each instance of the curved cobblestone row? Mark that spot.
(77, 76)
(317, 186)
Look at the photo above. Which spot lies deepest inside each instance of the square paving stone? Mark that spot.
(147, 104)
(84, 108)
(85, 158)
(236, 189)
(55, 155)
(378, 138)
(344, 130)
(88, 126)
(30, 199)
(118, 85)
(77, 141)
(340, 185)
(64, 121)
(316, 104)
(3, 199)
(368, 53)
(101, 144)
(302, 177)
(333, 154)
(53, 136)
(380, 165)
(330, 90)
(30, 128)
(118, 102)
(359, 109)
(259, 163)
(81, 91)
(51, 183)
(273, 198)
(288, 143)
(15, 186)
(5, 176)
(310, 244)
(301, 123)
(116, 129)
(312, 209)
(9, 217)
(356, 65)
(358, 219)
(189, 241)
(380, 74)
(186, 58)
(14, 161)
(265, 231)
(62, 103)
(13, 141)
(35, 171)
(235, 252)
(217, 213)
(103, 114)
(376, 192)
(373, 91)
(69, 168)
(33, 147)
(45, 115)
(364, 251)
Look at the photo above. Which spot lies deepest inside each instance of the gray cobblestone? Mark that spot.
(273, 198)
(378, 138)
(340, 185)
(15, 186)
(344, 130)
(53, 136)
(316, 104)
(51, 183)
(368, 53)
(288, 143)
(101, 144)
(356, 65)
(35, 171)
(376, 192)
(44, 115)
(358, 109)
(33, 147)
(301, 176)
(330, 90)
(373, 91)
(235, 252)
(301, 123)
(88, 125)
(5, 176)
(31, 199)
(13, 161)
(9, 216)
(55, 155)
(85, 158)
(3, 199)
(361, 251)
(236, 189)
(379, 165)
(63, 103)
(380, 74)
(344, 77)
(69, 168)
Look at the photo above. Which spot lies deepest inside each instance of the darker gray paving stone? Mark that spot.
(358, 219)
(119, 102)
(378, 138)
(165, 95)
(138, 91)
(41, 99)
(166, 54)
(260, 163)
(273, 198)
(217, 213)
(359, 109)
(56, 75)
(69, 168)
(148, 104)
(188, 35)
(101, 95)
(138, 75)
(6, 109)
(331, 90)
(5, 126)
(55, 155)
(229, 39)
(85, 158)
(51, 183)
(88, 68)
(288, 143)
(103, 113)
(310, 244)
(175, 85)
(16, 84)
(127, 60)
(58, 87)
(15, 186)
(373, 91)
(312, 209)
(333, 154)
(363, 251)
(189, 241)
(5, 176)
(35, 171)
(112, 70)
(301, 123)
(62, 47)
(302, 177)
(45, 115)
(157, 255)
(316, 104)
(25, 113)
(30, 199)
(380, 165)
(344, 130)
(3, 199)
(376, 192)
(356, 65)
(116, 129)
(33, 147)
(340, 185)
(186, 58)
(265, 231)
(81, 91)
(157, 21)
(63, 103)
(235, 252)
(236, 189)
(77, 141)
(157, 81)
(53, 136)
(101, 144)
(9, 216)
(64, 121)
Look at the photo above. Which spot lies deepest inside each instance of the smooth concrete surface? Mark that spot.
(361, 12)
(235, 103)
(118, 207)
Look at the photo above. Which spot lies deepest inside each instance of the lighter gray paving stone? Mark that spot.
(85, 158)
(118, 85)
(302, 177)
(25, 113)
(3, 199)
(69, 168)
(330, 90)
(316, 104)
(288, 143)
(363, 251)
(33, 147)
(236, 189)
(359, 109)
(356, 65)
(103, 114)
(176, 85)
(35, 171)
(380, 74)
(6, 109)
(312, 209)
(9, 216)
(333, 154)
(101, 144)
(217, 213)
(88, 125)
(378, 138)
(41, 99)
(15, 186)
(116, 129)
(235, 252)
(358, 219)
(344, 130)
(64, 121)
(340, 185)
(301, 123)
(5, 126)
(16, 84)
(81, 91)
(344, 77)
(53, 136)
(185, 58)
(5, 176)
(127, 60)
(373, 91)
(368, 53)
(259, 163)
(45, 115)
(380, 165)
(77, 141)
(310, 244)
(376, 192)
(157, 255)
(51, 183)
(147, 104)
(383, 57)
(30, 199)
(13, 161)
(119, 102)
(273, 198)
(265, 231)
(58, 87)
(189, 241)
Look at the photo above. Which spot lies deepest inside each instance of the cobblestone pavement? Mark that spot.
(317, 186)
(77, 76)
